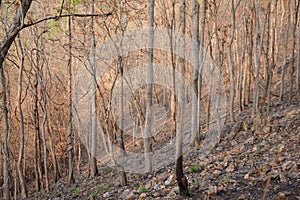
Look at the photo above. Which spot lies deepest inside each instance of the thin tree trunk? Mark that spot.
(195, 37)
(38, 176)
(293, 51)
(21, 148)
(6, 182)
(53, 153)
(231, 66)
(256, 60)
(70, 114)
(201, 60)
(123, 178)
(148, 124)
(298, 67)
(43, 88)
(273, 37)
(282, 85)
(93, 162)
(181, 178)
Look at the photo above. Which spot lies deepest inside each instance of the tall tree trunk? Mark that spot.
(284, 65)
(195, 43)
(231, 65)
(38, 174)
(6, 182)
(256, 60)
(293, 51)
(70, 114)
(43, 91)
(21, 148)
(298, 62)
(122, 174)
(148, 124)
(53, 152)
(181, 178)
(201, 59)
(94, 138)
(272, 37)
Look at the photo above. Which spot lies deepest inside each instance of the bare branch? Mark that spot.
(56, 17)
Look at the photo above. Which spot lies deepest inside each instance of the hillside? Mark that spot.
(250, 157)
(157, 99)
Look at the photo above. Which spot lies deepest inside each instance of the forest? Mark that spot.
(157, 99)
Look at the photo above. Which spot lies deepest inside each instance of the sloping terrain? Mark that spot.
(253, 156)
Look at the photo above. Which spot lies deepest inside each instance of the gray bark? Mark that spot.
(93, 162)
(70, 114)
(21, 148)
(181, 178)
(195, 37)
(148, 123)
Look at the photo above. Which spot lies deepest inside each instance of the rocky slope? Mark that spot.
(255, 157)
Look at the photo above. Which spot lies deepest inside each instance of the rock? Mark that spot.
(126, 192)
(148, 186)
(106, 194)
(230, 168)
(266, 129)
(155, 194)
(171, 178)
(172, 193)
(143, 195)
(212, 189)
(246, 177)
(217, 172)
(281, 195)
(167, 183)
(242, 197)
(176, 189)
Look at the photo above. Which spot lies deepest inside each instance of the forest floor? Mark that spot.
(253, 156)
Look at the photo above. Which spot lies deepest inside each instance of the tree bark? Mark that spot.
(94, 138)
(148, 124)
(283, 71)
(21, 148)
(6, 177)
(70, 134)
(293, 51)
(180, 177)
(195, 43)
